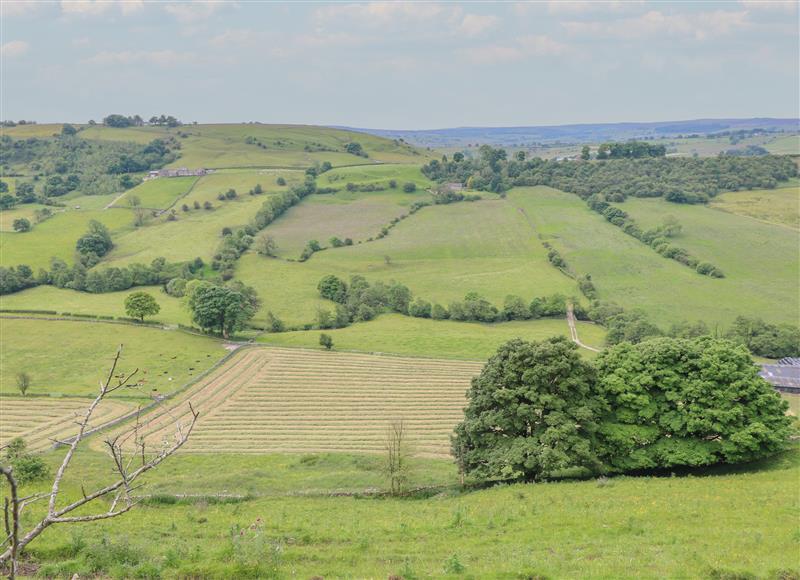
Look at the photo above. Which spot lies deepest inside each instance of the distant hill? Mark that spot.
(579, 133)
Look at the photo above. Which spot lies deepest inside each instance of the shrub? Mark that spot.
(409, 187)
(326, 341)
(27, 467)
(21, 225)
(23, 382)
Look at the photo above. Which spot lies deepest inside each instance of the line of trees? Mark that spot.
(657, 238)
(538, 410)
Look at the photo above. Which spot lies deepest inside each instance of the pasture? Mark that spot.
(632, 274)
(394, 333)
(56, 237)
(71, 357)
(441, 253)
(7, 216)
(776, 206)
(761, 261)
(269, 400)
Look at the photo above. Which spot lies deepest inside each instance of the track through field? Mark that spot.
(268, 400)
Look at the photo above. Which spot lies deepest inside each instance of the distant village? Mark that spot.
(178, 172)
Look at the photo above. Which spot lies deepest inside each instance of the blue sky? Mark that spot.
(400, 65)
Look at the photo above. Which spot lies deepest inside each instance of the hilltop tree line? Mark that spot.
(538, 410)
(676, 179)
(122, 121)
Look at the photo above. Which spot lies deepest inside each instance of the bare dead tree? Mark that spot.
(130, 457)
(397, 449)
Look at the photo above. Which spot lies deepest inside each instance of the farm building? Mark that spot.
(178, 172)
(784, 376)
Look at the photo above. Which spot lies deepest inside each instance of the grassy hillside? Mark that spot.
(157, 193)
(632, 274)
(725, 523)
(256, 145)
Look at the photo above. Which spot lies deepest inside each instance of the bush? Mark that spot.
(21, 225)
(326, 341)
(409, 187)
(27, 468)
(23, 382)
(420, 308)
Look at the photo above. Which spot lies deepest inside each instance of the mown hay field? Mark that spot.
(42, 420)
(268, 400)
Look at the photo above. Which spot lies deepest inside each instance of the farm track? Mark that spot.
(301, 401)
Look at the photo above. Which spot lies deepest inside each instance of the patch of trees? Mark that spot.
(657, 238)
(764, 339)
(94, 244)
(122, 121)
(221, 308)
(67, 163)
(630, 150)
(677, 179)
(164, 121)
(538, 410)
(354, 148)
(446, 195)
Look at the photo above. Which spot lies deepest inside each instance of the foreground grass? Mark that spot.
(70, 358)
(394, 333)
(714, 525)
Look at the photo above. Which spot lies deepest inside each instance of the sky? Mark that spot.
(399, 65)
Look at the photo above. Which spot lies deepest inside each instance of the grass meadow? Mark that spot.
(56, 237)
(394, 333)
(70, 357)
(775, 206)
(632, 274)
(761, 261)
(700, 526)
(7, 216)
(441, 253)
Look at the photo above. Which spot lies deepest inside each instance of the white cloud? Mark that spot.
(379, 13)
(700, 26)
(19, 7)
(98, 7)
(583, 6)
(14, 48)
(475, 24)
(194, 12)
(786, 6)
(530, 46)
(162, 58)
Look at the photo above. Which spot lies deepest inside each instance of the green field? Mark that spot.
(441, 253)
(632, 274)
(761, 261)
(725, 522)
(56, 237)
(788, 145)
(394, 333)
(776, 206)
(69, 358)
(158, 193)
(107, 304)
(7, 216)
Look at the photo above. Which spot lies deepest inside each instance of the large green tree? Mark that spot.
(532, 414)
(141, 304)
(224, 309)
(677, 402)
